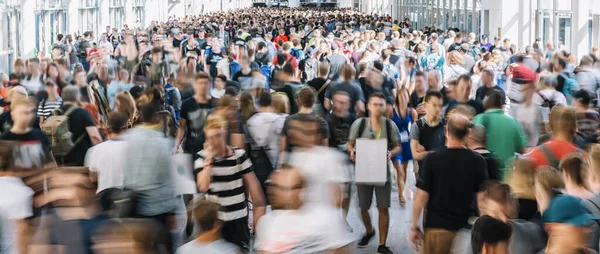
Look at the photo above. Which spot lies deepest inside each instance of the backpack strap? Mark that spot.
(67, 114)
(324, 86)
(550, 156)
(362, 126)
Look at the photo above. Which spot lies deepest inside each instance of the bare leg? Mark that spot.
(400, 180)
(366, 218)
(384, 225)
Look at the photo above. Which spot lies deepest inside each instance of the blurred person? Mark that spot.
(417, 98)
(123, 83)
(128, 236)
(566, 83)
(230, 185)
(588, 120)
(548, 183)
(110, 172)
(13, 94)
(336, 60)
(453, 70)
(434, 60)
(348, 85)
(476, 141)
(574, 172)
(320, 84)
(468, 60)
(588, 77)
(377, 126)
(126, 104)
(487, 79)
(532, 117)
(563, 122)
(224, 65)
(289, 85)
(376, 81)
(490, 235)
(244, 76)
(463, 90)
(428, 133)
(568, 225)
(210, 239)
(522, 183)
(52, 102)
(505, 137)
(194, 112)
(298, 226)
(229, 109)
(548, 97)
(437, 190)
(218, 89)
(32, 148)
(144, 171)
(403, 116)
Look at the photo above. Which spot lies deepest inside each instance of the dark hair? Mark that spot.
(288, 69)
(562, 63)
(494, 100)
(59, 37)
(377, 95)
(378, 65)
(419, 74)
(206, 213)
(464, 77)
(490, 231)
(432, 93)
(573, 165)
(232, 90)
(221, 77)
(202, 75)
(458, 130)
(118, 121)
(307, 96)
(583, 97)
(149, 110)
(264, 99)
(281, 58)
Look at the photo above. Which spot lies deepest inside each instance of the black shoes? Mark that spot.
(366, 239)
(384, 250)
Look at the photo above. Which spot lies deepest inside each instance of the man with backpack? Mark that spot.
(376, 126)
(82, 52)
(296, 50)
(566, 79)
(309, 65)
(427, 134)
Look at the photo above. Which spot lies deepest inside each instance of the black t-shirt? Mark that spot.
(415, 100)
(195, 115)
(317, 83)
(6, 122)
(176, 43)
(451, 177)
(353, 89)
(32, 149)
(79, 119)
(494, 164)
(484, 91)
(339, 129)
(244, 80)
(473, 103)
(454, 46)
(211, 60)
(296, 123)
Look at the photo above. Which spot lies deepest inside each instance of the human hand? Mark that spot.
(416, 238)
(420, 149)
(353, 156)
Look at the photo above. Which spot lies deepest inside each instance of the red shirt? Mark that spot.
(290, 59)
(559, 148)
(284, 38)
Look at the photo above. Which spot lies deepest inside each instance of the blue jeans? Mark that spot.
(85, 63)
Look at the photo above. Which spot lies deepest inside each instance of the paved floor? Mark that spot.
(400, 217)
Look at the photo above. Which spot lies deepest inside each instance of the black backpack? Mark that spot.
(548, 103)
(275, 82)
(258, 155)
(388, 130)
(83, 47)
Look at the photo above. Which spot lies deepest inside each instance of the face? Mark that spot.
(215, 138)
(33, 67)
(464, 89)
(80, 78)
(432, 81)
(43, 65)
(201, 86)
(341, 103)
(376, 106)
(22, 115)
(52, 72)
(420, 83)
(434, 106)
(486, 79)
(284, 189)
(219, 83)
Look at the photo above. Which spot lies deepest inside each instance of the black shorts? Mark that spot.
(238, 233)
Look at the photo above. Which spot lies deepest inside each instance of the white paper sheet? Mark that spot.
(181, 168)
(371, 161)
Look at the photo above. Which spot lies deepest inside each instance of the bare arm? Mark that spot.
(419, 156)
(94, 134)
(327, 104)
(258, 198)
(360, 108)
(23, 236)
(282, 149)
(396, 150)
(204, 177)
(237, 140)
(180, 133)
(350, 149)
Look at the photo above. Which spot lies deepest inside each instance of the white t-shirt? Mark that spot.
(263, 129)
(217, 247)
(223, 64)
(312, 229)
(107, 158)
(321, 166)
(551, 95)
(15, 204)
(531, 119)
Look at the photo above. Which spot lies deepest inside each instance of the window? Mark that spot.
(138, 11)
(591, 32)
(117, 13)
(564, 32)
(88, 16)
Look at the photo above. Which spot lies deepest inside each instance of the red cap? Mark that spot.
(523, 74)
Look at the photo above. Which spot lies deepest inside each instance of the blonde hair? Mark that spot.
(548, 178)
(215, 122)
(22, 102)
(455, 58)
(522, 179)
(348, 73)
(594, 158)
(126, 105)
(563, 119)
(281, 103)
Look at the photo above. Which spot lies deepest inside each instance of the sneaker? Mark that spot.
(366, 239)
(384, 250)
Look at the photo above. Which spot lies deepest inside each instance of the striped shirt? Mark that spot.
(45, 108)
(227, 184)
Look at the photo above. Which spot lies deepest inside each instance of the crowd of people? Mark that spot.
(269, 108)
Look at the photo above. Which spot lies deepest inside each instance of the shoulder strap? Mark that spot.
(550, 156)
(362, 126)
(324, 86)
(70, 110)
(420, 123)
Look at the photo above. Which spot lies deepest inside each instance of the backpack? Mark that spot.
(82, 50)
(56, 127)
(388, 130)
(258, 155)
(548, 103)
(309, 69)
(235, 67)
(297, 53)
(265, 69)
(569, 85)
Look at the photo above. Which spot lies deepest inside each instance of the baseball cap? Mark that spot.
(583, 97)
(523, 75)
(465, 47)
(484, 36)
(568, 210)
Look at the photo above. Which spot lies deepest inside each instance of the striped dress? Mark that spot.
(227, 184)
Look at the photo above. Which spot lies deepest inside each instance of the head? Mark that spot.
(281, 103)
(574, 170)
(323, 69)
(490, 236)
(477, 137)
(568, 223)
(307, 97)
(559, 64)
(348, 73)
(118, 122)
(79, 77)
(463, 89)
(265, 100)
(286, 188)
(341, 102)
(220, 81)
(19, 66)
(582, 100)
(421, 84)
(547, 181)
(494, 100)
(215, 131)
(563, 121)
(51, 87)
(126, 105)
(33, 66)
(22, 112)
(433, 103)
(16, 93)
(376, 105)
(206, 215)
(433, 79)
(458, 128)
(52, 71)
(202, 84)
(487, 77)
(71, 94)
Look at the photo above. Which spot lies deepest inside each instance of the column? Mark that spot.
(596, 34)
(579, 23)
(28, 24)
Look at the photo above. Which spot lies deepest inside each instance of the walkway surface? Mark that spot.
(400, 217)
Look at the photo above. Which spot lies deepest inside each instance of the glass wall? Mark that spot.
(51, 19)
(138, 11)
(88, 16)
(441, 13)
(117, 13)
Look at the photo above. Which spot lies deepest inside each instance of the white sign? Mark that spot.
(183, 179)
(371, 161)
